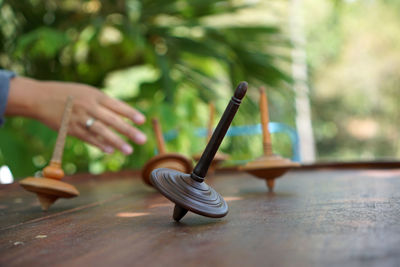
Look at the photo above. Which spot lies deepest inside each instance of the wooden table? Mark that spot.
(315, 218)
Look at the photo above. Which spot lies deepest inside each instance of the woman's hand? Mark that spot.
(45, 102)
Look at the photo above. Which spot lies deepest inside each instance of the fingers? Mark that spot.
(115, 121)
(83, 134)
(124, 109)
(109, 137)
(109, 114)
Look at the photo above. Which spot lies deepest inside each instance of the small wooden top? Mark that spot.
(173, 161)
(49, 186)
(269, 167)
(62, 132)
(269, 162)
(159, 136)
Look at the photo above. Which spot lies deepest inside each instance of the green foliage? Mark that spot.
(166, 58)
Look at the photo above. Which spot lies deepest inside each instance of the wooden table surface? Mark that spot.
(315, 218)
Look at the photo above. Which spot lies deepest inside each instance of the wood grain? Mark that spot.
(315, 218)
(62, 132)
(159, 136)
(263, 103)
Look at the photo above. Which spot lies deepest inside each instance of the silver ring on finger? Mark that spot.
(89, 122)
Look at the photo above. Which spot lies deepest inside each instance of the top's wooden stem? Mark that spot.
(211, 108)
(159, 136)
(206, 158)
(54, 170)
(267, 144)
(62, 132)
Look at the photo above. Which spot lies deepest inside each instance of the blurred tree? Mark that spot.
(167, 58)
(300, 85)
(354, 58)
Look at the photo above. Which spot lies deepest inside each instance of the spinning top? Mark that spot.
(173, 161)
(189, 191)
(219, 157)
(49, 188)
(269, 166)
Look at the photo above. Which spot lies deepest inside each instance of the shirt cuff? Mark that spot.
(5, 77)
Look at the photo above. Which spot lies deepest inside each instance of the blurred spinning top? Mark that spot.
(219, 157)
(173, 161)
(269, 166)
(49, 188)
(189, 192)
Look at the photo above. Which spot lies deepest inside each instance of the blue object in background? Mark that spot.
(274, 127)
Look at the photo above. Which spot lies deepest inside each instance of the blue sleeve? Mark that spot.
(5, 77)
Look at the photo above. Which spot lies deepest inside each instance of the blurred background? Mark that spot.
(330, 68)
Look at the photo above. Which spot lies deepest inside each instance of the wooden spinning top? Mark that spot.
(49, 188)
(219, 157)
(189, 191)
(173, 161)
(269, 166)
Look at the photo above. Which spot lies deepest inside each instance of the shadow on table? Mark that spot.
(198, 221)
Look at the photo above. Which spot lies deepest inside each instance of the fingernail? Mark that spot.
(109, 150)
(141, 138)
(126, 149)
(139, 118)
